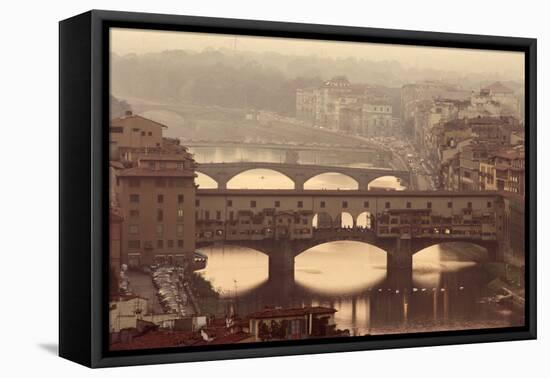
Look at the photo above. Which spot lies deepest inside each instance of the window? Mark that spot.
(160, 198)
(197, 203)
(300, 204)
(231, 215)
(179, 182)
(151, 165)
(170, 243)
(116, 129)
(180, 243)
(408, 205)
(180, 165)
(489, 204)
(180, 215)
(160, 215)
(345, 204)
(179, 229)
(469, 205)
(134, 213)
(134, 244)
(218, 215)
(133, 229)
(160, 230)
(150, 133)
(134, 198)
(429, 205)
(366, 204)
(304, 221)
(387, 205)
(133, 183)
(207, 215)
(160, 183)
(180, 198)
(322, 204)
(252, 203)
(160, 243)
(229, 203)
(450, 205)
(143, 133)
(277, 203)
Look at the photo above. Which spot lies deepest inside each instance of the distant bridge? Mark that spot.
(298, 173)
(298, 147)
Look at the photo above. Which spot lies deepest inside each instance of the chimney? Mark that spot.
(128, 113)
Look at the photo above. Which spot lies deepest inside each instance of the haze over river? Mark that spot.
(448, 289)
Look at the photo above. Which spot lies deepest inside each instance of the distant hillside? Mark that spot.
(118, 107)
(247, 80)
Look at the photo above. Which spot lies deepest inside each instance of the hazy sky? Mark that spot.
(509, 64)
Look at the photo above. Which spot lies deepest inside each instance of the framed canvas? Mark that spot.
(235, 188)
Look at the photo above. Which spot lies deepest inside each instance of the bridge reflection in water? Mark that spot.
(443, 293)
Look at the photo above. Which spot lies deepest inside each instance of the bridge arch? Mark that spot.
(224, 262)
(245, 244)
(342, 239)
(344, 220)
(205, 181)
(321, 181)
(321, 267)
(321, 220)
(365, 220)
(387, 181)
(472, 250)
(281, 180)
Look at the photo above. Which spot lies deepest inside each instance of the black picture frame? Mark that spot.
(83, 153)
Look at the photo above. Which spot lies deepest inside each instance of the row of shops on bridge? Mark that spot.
(403, 223)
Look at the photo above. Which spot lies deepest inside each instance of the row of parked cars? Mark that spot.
(168, 281)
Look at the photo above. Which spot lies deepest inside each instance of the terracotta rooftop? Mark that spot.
(117, 121)
(159, 339)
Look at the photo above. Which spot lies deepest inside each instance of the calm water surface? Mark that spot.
(445, 293)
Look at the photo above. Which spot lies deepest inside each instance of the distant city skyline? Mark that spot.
(505, 63)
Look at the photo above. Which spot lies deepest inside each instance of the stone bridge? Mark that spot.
(399, 251)
(285, 223)
(298, 173)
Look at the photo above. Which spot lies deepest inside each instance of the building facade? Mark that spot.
(342, 106)
(152, 186)
(158, 197)
(131, 133)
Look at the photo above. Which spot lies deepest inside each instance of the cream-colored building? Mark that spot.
(377, 116)
(133, 132)
(493, 100)
(126, 312)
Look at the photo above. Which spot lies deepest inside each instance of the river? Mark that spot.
(448, 290)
